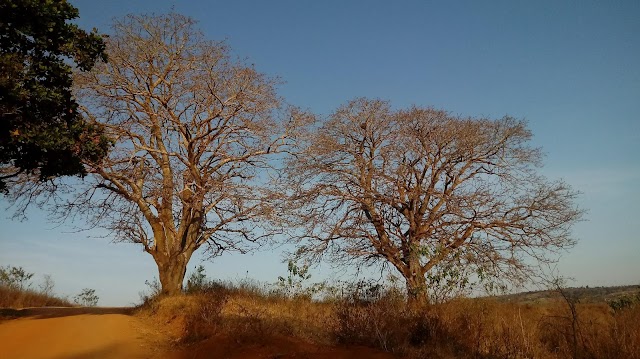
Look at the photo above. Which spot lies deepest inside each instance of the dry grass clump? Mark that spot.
(460, 328)
(250, 313)
(175, 315)
(16, 291)
(16, 298)
(247, 311)
(485, 328)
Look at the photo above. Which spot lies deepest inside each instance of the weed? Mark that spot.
(87, 298)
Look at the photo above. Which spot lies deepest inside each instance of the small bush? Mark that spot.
(16, 299)
(372, 316)
(197, 281)
(627, 301)
(365, 313)
(87, 298)
(15, 277)
(16, 291)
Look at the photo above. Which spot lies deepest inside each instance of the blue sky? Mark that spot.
(570, 68)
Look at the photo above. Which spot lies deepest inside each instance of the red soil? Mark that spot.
(100, 333)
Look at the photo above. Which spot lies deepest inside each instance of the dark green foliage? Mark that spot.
(197, 280)
(627, 301)
(41, 132)
(292, 285)
(86, 298)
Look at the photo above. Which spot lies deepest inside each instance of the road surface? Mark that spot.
(74, 333)
(113, 333)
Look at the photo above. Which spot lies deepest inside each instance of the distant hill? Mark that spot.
(583, 294)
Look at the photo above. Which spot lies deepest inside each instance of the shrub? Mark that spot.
(16, 292)
(197, 281)
(87, 298)
(627, 301)
(15, 277)
(376, 322)
(16, 298)
(365, 313)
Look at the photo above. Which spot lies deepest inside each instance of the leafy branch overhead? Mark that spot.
(41, 131)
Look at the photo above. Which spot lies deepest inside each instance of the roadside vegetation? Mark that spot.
(557, 325)
(17, 290)
(190, 149)
(11, 297)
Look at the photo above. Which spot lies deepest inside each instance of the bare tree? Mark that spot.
(423, 190)
(192, 131)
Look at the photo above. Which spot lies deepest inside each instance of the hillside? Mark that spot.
(582, 294)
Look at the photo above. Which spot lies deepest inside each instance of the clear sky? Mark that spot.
(570, 68)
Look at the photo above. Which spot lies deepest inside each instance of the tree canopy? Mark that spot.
(193, 134)
(41, 131)
(193, 129)
(423, 190)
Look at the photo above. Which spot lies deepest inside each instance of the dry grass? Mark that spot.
(485, 328)
(15, 298)
(461, 328)
(246, 312)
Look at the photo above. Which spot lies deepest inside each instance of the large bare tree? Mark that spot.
(192, 131)
(423, 190)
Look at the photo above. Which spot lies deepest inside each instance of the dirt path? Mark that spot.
(74, 333)
(110, 333)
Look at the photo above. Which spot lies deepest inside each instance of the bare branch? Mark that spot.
(195, 137)
(418, 187)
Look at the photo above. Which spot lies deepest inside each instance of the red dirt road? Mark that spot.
(74, 333)
(113, 333)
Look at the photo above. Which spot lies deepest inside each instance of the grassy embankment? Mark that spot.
(553, 326)
(566, 323)
(16, 298)
(16, 290)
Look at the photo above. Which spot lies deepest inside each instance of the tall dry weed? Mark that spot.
(16, 298)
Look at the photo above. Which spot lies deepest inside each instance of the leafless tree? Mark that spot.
(423, 190)
(193, 131)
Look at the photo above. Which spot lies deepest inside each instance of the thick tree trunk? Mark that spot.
(171, 270)
(416, 291)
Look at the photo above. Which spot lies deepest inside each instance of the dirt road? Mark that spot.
(110, 333)
(74, 333)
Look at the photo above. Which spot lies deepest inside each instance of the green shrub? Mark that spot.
(628, 301)
(87, 298)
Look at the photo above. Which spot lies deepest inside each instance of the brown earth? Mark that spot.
(100, 333)
(74, 333)
(276, 347)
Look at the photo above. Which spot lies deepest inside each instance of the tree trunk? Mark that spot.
(416, 291)
(171, 270)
